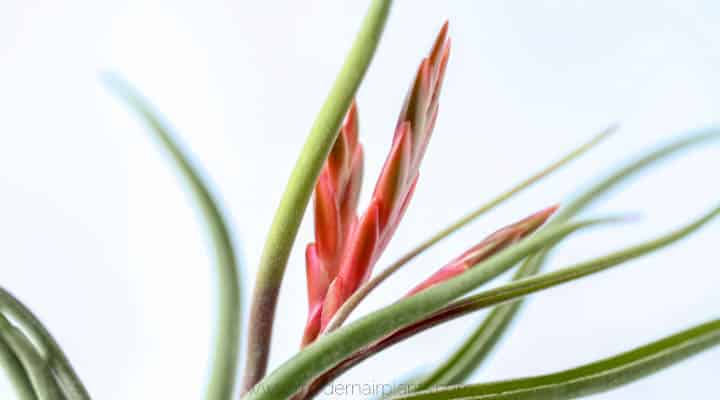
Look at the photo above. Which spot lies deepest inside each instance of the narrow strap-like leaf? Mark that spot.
(16, 372)
(472, 352)
(596, 377)
(37, 369)
(69, 381)
(294, 201)
(228, 321)
(333, 348)
(349, 306)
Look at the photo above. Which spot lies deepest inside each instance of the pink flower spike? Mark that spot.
(347, 248)
(491, 245)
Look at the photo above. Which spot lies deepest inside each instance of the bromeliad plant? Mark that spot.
(347, 246)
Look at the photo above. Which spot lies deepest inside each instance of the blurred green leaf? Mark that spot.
(37, 369)
(228, 321)
(16, 372)
(68, 379)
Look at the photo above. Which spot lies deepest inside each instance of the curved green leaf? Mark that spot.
(512, 292)
(228, 321)
(377, 347)
(592, 378)
(37, 369)
(16, 372)
(294, 201)
(474, 350)
(336, 346)
(351, 303)
(345, 343)
(69, 381)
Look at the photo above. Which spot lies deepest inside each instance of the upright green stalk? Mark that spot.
(299, 188)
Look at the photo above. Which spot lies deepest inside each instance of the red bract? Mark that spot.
(490, 245)
(346, 247)
(336, 196)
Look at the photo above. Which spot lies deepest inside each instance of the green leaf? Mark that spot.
(68, 379)
(472, 352)
(344, 343)
(481, 341)
(512, 292)
(351, 303)
(228, 321)
(294, 201)
(592, 378)
(16, 372)
(37, 369)
(336, 346)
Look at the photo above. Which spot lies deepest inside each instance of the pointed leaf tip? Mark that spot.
(542, 216)
(440, 43)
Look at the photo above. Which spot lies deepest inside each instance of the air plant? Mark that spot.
(347, 245)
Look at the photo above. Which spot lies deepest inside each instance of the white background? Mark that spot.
(98, 236)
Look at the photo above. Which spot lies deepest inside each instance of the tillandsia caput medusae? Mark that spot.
(348, 244)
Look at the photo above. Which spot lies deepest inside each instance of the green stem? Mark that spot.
(299, 188)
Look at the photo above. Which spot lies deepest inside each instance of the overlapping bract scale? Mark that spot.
(346, 245)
